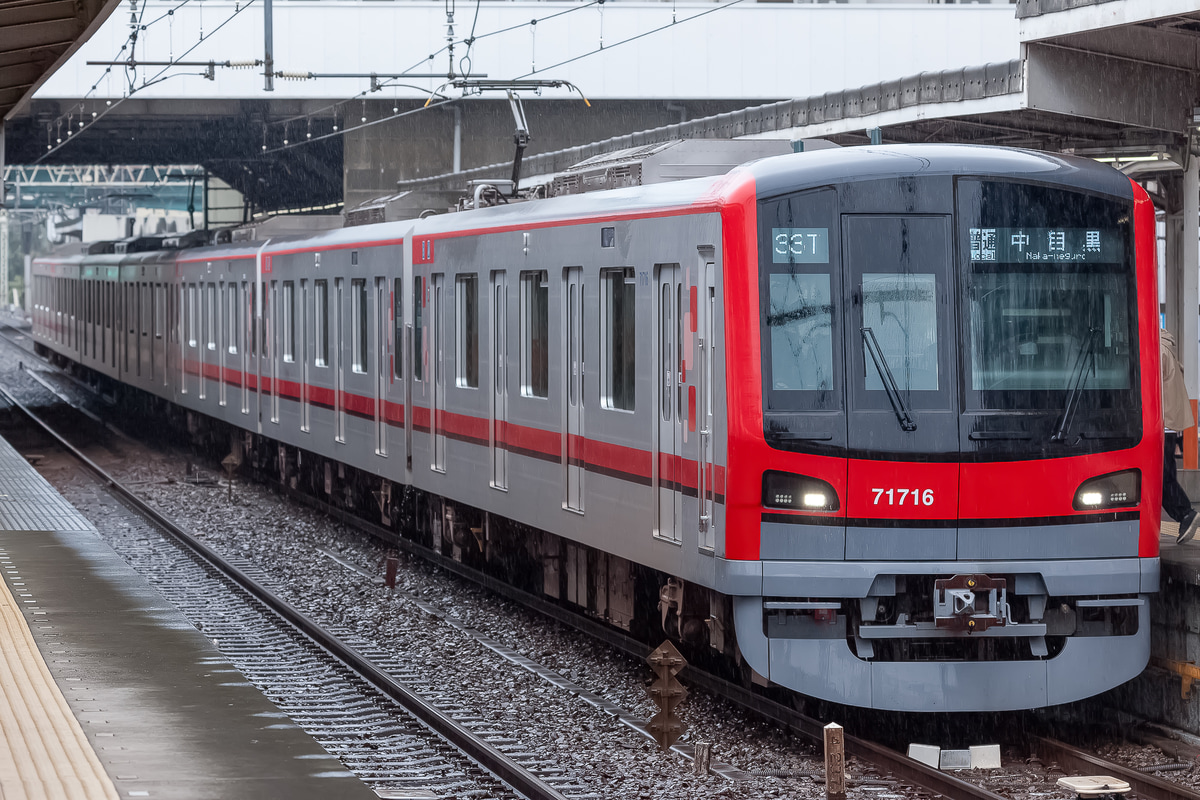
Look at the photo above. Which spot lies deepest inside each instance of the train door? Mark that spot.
(499, 437)
(305, 356)
(415, 350)
(395, 416)
(243, 315)
(185, 330)
(339, 367)
(668, 497)
(208, 338)
(223, 341)
(76, 312)
(255, 343)
(704, 311)
(106, 324)
(573, 458)
(145, 318)
(901, 380)
(273, 349)
(128, 323)
(157, 356)
(437, 349)
(383, 370)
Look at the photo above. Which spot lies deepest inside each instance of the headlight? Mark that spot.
(800, 492)
(1115, 490)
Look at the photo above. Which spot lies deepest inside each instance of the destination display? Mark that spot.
(800, 245)
(1083, 245)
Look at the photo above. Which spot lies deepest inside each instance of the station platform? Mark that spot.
(107, 691)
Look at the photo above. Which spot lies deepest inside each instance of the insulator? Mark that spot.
(293, 76)
(242, 64)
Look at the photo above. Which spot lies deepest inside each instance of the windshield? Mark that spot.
(1049, 275)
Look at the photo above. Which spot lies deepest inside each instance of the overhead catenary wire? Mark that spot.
(534, 71)
(158, 78)
(333, 106)
(377, 85)
(138, 26)
(604, 48)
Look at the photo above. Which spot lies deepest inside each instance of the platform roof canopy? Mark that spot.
(36, 37)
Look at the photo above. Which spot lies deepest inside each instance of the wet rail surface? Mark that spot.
(892, 762)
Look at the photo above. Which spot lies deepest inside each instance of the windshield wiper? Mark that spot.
(1078, 378)
(889, 382)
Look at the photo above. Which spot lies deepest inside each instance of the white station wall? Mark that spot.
(751, 50)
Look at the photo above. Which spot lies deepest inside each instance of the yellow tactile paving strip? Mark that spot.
(43, 750)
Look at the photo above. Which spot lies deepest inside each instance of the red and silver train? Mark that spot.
(882, 424)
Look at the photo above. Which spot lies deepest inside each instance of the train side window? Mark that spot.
(321, 331)
(146, 312)
(231, 302)
(397, 329)
(191, 315)
(466, 351)
(289, 321)
(212, 316)
(618, 347)
(418, 331)
(160, 310)
(358, 293)
(535, 334)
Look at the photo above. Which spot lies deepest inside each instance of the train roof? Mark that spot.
(783, 174)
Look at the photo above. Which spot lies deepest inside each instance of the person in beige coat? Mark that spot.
(1177, 416)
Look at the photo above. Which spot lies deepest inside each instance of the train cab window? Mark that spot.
(466, 338)
(1051, 302)
(617, 338)
(321, 330)
(289, 321)
(418, 328)
(800, 275)
(358, 294)
(397, 329)
(535, 334)
(800, 321)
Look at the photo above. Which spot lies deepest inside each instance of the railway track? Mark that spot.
(1072, 759)
(519, 780)
(895, 764)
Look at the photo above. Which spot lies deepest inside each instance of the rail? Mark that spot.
(1072, 759)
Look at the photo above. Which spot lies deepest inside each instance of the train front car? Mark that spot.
(945, 430)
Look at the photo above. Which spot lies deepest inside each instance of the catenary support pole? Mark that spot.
(268, 47)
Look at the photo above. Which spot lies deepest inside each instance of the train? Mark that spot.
(878, 425)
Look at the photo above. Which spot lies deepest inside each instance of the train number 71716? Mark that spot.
(898, 497)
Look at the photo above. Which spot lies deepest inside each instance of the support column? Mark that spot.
(3, 226)
(1189, 299)
(1172, 286)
